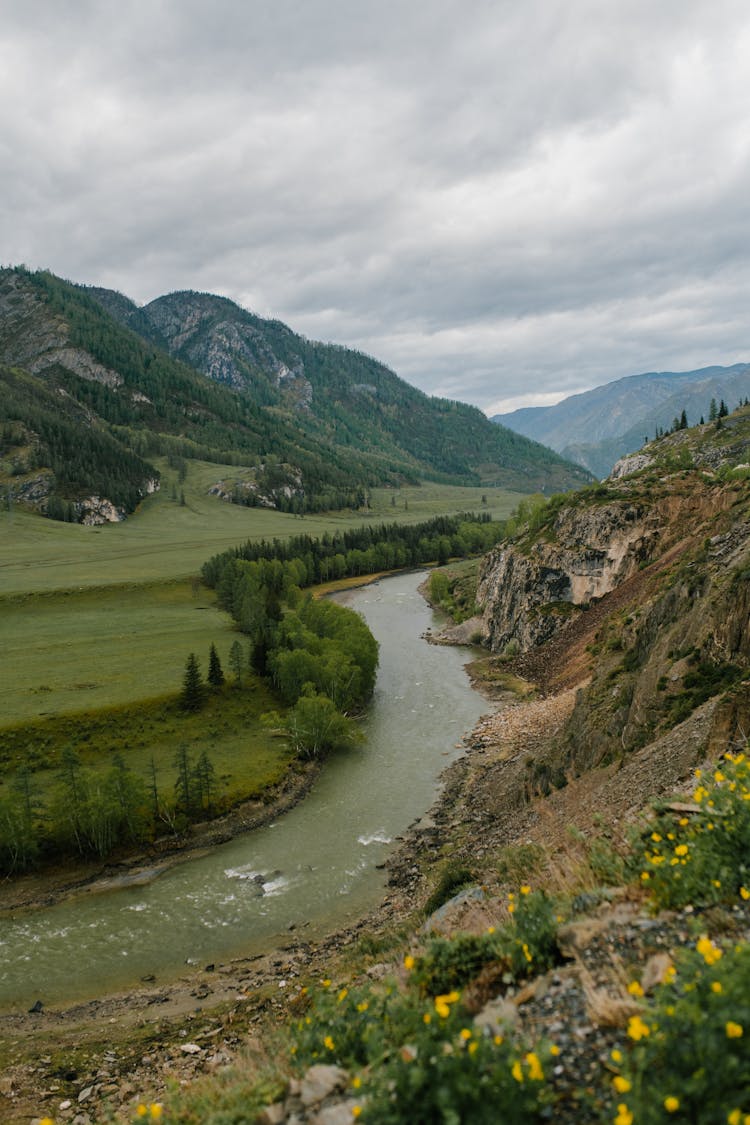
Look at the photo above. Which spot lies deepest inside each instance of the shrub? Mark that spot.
(689, 1055)
(420, 1061)
(525, 946)
(702, 857)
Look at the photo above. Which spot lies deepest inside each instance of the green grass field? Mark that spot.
(96, 624)
(165, 540)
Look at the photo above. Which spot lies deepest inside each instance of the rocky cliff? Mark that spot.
(638, 592)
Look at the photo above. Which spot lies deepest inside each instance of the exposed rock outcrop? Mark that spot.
(528, 591)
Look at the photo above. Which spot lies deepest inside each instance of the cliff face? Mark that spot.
(530, 590)
(643, 587)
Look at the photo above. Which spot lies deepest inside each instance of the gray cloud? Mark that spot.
(498, 200)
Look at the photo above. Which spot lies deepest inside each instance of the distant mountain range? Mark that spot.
(95, 389)
(599, 426)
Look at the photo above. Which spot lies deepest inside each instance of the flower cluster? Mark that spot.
(702, 855)
(689, 1054)
(421, 1059)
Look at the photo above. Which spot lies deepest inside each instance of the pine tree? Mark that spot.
(192, 695)
(683, 420)
(236, 662)
(215, 674)
(712, 410)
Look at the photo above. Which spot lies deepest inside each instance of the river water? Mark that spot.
(318, 862)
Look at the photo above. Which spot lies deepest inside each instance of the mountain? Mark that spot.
(94, 388)
(599, 426)
(337, 394)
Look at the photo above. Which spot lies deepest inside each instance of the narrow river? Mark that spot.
(316, 867)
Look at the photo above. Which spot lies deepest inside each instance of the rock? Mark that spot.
(37, 1007)
(499, 1016)
(190, 1049)
(320, 1081)
(438, 919)
(655, 970)
(340, 1114)
(85, 1093)
(272, 1115)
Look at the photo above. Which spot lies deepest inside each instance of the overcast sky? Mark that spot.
(507, 201)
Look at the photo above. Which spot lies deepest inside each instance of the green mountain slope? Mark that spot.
(343, 396)
(92, 397)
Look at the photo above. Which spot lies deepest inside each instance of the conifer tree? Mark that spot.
(215, 673)
(236, 661)
(192, 694)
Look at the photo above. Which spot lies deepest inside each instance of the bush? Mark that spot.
(689, 1056)
(421, 1062)
(704, 856)
(525, 946)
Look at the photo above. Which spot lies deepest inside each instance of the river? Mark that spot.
(316, 868)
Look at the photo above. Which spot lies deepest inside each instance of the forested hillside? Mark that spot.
(312, 427)
(342, 395)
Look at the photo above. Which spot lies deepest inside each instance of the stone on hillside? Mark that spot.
(320, 1081)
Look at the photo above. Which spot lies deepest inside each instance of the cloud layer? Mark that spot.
(499, 200)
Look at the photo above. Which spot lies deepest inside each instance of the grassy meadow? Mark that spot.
(96, 624)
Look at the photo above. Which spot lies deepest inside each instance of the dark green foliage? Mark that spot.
(192, 696)
(524, 947)
(236, 662)
(453, 877)
(357, 551)
(84, 459)
(215, 673)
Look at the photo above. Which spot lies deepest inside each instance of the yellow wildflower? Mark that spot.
(473, 1047)
(669, 974)
(362, 1006)
(708, 951)
(536, 1074)
(526, 953)
(525, 889)
(326, 983)
(554, 1050)
(637, 1029)
(735, 1117)
(356, 1110)
(616, 1055)
(681, 849)
(46, 1121)
(719, 776)
(716, 986)
(465, 1033)
(635, 988)
(621, 1084)
(517, 1072)
(498, 1040)
(624, 1116)
(490, 929)
(734, 1030)
(141, 1110)
(426, 1018)
(656, 837)
(329, 1044)
(343, 995)
(683, 821)
(409, 962)
(744, 893)
(671, 1104)
(356, 1082)
(645, 876)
